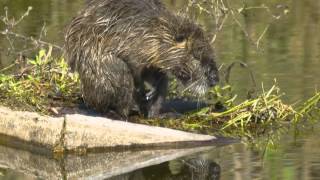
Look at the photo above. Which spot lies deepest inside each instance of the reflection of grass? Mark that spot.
(309, 107)
(45, 82)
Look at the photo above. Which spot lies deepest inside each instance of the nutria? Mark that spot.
(119, 47)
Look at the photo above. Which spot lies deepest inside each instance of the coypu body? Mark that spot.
(119, 46)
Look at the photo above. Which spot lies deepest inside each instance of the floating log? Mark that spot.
(85, 133)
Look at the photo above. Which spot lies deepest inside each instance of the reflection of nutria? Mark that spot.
(119, 47)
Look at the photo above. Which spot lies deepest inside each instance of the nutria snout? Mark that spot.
(119, 46)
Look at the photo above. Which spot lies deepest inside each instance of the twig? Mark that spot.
(8, 67)
(37, 42)
(11, 36)
(262, 35)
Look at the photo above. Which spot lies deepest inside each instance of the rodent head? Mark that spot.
(187, 54)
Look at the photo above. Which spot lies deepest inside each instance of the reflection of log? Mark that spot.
(84, 132)
(29, 164)
(95, 166)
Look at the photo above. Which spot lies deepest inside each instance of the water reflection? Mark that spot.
(196, 167)
(18, 163)
(296, 156)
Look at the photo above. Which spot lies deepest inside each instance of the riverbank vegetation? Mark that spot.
(40, 84)
(43, 83)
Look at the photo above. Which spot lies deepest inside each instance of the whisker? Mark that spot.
(191, 85)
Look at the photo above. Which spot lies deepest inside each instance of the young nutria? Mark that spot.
(119, 47)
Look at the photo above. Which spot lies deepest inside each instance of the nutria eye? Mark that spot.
(180, 38)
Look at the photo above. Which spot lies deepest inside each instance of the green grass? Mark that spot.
(42, 83)
(264, 114)
(265, 110)
(46, 82)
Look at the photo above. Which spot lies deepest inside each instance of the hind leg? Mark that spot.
(108, 85)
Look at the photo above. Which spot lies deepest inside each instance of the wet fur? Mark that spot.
(118, 46)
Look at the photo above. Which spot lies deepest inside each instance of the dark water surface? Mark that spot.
(289, 52)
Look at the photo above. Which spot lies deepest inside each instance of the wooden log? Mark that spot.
(74, 132)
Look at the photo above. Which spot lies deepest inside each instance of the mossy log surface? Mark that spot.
(80, 132)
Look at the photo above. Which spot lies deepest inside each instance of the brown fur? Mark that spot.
(117, 46)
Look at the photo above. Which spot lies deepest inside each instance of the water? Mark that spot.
(289, 52)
